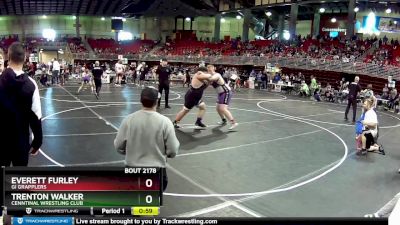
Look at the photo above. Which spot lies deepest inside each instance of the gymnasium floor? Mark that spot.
(289, 157)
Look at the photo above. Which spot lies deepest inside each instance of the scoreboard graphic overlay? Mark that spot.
(82, 191)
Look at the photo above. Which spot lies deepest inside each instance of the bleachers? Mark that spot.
(103, 44)
(76, 46)
(226, 48)
(112, 47)
(136, 46)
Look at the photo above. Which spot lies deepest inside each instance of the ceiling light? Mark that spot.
(188, 19)
(238, 17)
(322, 10)
(124, 19)
(388, 11)
(356, 9)
(268, 14)
(333, 20)
(74, 17)
(102, 18)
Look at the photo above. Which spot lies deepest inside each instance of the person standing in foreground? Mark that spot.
(354, 89)
(163, 72)
(224, 97)
(19, 109)
(193, 97)
(147, 138)
(97, 74)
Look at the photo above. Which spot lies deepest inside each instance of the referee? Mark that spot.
(97, 73)
(163, 72)
(354, 90)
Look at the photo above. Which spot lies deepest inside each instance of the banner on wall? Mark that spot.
(389, 25)
(376, 24)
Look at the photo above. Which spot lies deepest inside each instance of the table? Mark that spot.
(278, 87)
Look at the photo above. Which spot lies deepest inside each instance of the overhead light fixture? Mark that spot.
(49, 34)
(322, 10)
(44, 16)
(388, 11)
(124, 19)
(223, 20)
(268, 14)
(356, 9)
(102, 18)
(333, 20)
(125, 36)
(238, 17)
(188, 19)
(286, 35)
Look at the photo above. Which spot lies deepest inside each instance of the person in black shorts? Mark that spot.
(97, 74)
(354, 89)
(163, 72)
(193, 97)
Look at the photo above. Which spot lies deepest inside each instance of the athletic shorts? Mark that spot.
(224, 98)
(369, 139)
(86, 80)
(193, 98)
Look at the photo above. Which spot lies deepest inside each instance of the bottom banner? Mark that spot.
(42, 220)
(200, 221)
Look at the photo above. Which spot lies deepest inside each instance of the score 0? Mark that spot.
(147, 184)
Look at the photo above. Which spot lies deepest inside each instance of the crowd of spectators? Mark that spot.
(76, 45)
(387, 53)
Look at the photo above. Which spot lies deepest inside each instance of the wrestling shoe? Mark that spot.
(381, 150)
(200, 124)
(176, 125)
(223, 122)
(233, 126)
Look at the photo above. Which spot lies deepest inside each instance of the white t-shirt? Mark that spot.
(119, 68)
(56, 65)
(370, 117)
